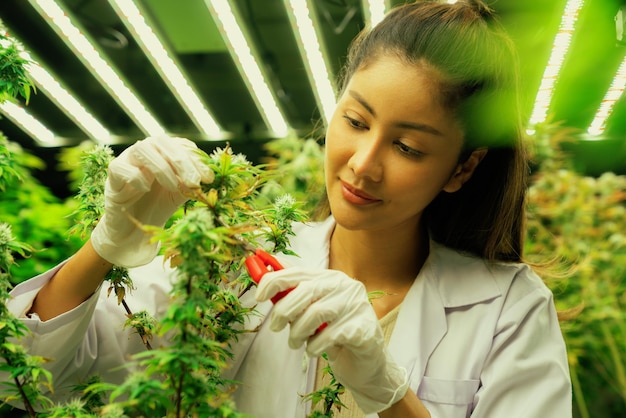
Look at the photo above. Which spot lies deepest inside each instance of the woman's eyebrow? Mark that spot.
(356, 96)
(418, 127)
(400, 124)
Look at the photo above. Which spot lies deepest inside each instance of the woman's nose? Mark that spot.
(367, 159)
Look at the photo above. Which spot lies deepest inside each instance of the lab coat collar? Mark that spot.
(447, 280)
(459, 280)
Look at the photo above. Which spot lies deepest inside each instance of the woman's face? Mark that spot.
(390, 147)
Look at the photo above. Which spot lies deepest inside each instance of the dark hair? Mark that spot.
(464, 43)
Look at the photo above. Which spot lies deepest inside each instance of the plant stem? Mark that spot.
(578, 394)
(245, 289)
(617, 359)
(329, 406)
(126, 308)
(27, 404)
(179, 395)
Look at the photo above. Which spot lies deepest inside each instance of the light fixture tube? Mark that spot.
(559, 50)
(163, 62)
(67, 103)
(28, 123)
(245, 57)
(51, 87)
(374, 11)
(89, 55)
(304, 24)
(612, 95)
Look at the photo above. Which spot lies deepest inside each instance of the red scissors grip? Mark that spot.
(259, 264)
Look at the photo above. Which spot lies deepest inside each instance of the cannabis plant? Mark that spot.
(26, 377)
(26, 374)
(29, 207)
(208, 244)
(14, 79)
(582, 221)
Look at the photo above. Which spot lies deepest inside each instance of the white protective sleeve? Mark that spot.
(91, 337)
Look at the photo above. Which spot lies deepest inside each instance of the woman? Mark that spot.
(426, 176)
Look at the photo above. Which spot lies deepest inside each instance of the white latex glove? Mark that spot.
(145, 182)
(352, 339)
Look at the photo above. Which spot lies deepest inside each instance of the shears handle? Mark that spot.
(261, 263)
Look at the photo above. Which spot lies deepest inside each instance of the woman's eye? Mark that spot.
(355, 123)
(405, 149)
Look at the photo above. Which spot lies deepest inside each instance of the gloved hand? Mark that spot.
(353, 339)
(145, 182)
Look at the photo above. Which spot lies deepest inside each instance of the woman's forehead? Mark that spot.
(391, 67)
(401, 92)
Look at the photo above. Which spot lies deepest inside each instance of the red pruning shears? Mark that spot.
(260, 263)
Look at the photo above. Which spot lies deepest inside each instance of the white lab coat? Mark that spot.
(477, 341)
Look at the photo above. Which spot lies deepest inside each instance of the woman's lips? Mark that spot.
(356, 196)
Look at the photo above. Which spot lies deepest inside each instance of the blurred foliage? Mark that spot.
(34, 213)
(301, 166)
(580, 222)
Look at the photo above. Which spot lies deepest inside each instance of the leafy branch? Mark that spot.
(14, 79)
(330, 394)
(25, 371)
(205, 315)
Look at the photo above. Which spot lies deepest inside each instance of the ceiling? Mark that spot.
(188, 30)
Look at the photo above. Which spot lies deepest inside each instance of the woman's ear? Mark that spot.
(465, 170)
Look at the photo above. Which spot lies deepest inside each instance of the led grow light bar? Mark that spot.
(374, 11)
(89, 55)
(612, 95)
(244, 55)
(559, 50)
(162, 60)
(28, 123)
(304, 25)
(60, 96)
(66, 102)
